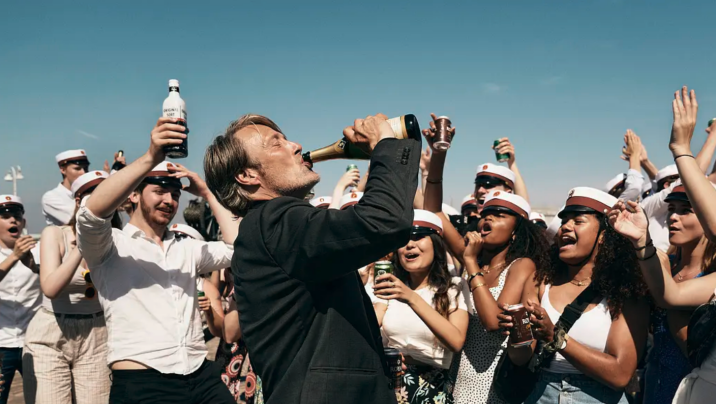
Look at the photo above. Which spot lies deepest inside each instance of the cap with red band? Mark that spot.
(615, 182)
(350, 199)
(495, 171)
(87, 182)
(505, 201)
(186, 230)
(11, 203)
(588, 200)
(162, 176)
(468, 202)
(425, 222)
(321, 201)
(71, 156)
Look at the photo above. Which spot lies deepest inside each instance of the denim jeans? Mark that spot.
(563, 388)
(11, 361)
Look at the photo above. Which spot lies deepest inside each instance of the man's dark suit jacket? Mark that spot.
(309, 326)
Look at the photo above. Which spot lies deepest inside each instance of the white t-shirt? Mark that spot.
(404, 330)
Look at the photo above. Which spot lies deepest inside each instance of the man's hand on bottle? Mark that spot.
(366, 133)
(165, 133)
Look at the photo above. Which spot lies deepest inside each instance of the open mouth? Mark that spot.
(14, 231)
(673, 229)
(567, 242)
(410, 257)
(486, 229)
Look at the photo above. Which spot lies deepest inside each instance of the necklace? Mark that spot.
(580, 283)
(497, 267)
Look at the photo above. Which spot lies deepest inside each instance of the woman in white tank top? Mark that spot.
(596, 359)
(65, 353)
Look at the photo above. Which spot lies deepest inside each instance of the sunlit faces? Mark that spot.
(418, 254)
(281, 168)
(577, 236)
(497, 228)
(12, 224)
(72, 171)
(158, 204)
(684, 226)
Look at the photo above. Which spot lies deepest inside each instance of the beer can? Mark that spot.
(443, 137)
(351, 167)
(711, 122)
(501, 158)
(382, 268)
(521, 331)
(200, 293)
(395, 366)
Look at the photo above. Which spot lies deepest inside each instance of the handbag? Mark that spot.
(701, 334)
(512, 383)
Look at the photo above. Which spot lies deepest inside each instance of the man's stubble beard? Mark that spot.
(297, 189)
(147, 214)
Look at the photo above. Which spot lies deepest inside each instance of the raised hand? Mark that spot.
(196, 187)
(685, 109)
(348, 178)
(366, 133)
(473, 246)
(165, 133)
(23, 245)
(630, 221)
(506, 146)
(425, 157)
(431, 132)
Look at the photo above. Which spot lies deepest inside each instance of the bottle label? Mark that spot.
(175, 112)
(398, 128)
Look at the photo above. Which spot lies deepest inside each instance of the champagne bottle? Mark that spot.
(404, 127)
(175, 107)
(117, 165)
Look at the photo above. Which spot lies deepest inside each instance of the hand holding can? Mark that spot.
(521, 331)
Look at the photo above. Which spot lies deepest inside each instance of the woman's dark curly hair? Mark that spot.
(529, 242)
(438, 278)
(616, 273)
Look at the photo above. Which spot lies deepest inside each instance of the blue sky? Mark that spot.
(563, 80)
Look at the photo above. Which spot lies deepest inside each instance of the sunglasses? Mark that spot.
(488, 182)
(90, 292)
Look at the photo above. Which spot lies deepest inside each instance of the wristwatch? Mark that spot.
(559, 341)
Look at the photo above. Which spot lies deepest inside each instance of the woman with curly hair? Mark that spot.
(422, 312)
(498, 260)
(595, 359)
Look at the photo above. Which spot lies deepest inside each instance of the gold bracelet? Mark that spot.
(477, 286)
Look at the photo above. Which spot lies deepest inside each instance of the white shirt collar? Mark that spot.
(65, 191)
(134, 232)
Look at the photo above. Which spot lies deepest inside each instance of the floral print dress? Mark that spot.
(237, 373)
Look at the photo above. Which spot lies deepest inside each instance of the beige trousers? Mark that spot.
(65, 360)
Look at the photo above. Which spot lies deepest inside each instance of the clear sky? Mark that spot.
(562, 79)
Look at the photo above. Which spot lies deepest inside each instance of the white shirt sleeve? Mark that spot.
(94, 236)
(212, 255)
(632, 186)
(52, 209)
(656, 205)
(459, 297)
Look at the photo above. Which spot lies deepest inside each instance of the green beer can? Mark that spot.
(501, 158)
(382, 268)
(351, 167)
(710, 122)
(200, 293)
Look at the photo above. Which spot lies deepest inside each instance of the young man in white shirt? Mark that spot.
(19, 287)
(58, 205)
(146, 279)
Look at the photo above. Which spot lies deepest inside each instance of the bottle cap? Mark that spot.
(173, 83)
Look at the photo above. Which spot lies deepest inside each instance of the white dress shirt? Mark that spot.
(58, 205)
(657, 210)
(632, 186)
(148, 293)
(19, 299)
(404, 330)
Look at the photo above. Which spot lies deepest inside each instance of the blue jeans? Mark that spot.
(11, 361)
(563, 388)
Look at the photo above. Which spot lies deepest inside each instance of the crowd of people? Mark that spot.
(116, 304)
